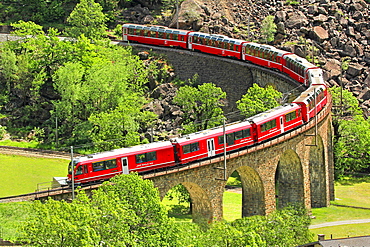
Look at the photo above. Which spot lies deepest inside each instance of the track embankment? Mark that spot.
(33, 152)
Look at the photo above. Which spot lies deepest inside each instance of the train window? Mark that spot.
(103, 165)
(221, 44)
(238, 135)
(268, 55)
(290, 116)
(81, 170)
(131, 31)
(246, 133)
(175, 36)
(182, 37)
(145, 157)
(231, 47)
(221, 140)
(236, 48)
(192, 147)
(268, 125)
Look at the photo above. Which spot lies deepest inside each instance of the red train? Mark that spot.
(211, 142)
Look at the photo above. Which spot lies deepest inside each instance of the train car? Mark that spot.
(208, 143)
(264, 55)
(312, 101)
(140, 158)
(300, 69)
(155, 35)
(215, 44)
(276, 121)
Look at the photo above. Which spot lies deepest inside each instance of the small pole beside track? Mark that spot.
(73, 174)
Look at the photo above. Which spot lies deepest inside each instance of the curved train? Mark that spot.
(210, 142)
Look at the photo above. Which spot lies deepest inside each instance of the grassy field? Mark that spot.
(21, 175)
(352, 192)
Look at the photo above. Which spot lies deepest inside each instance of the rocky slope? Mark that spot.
(334, 30)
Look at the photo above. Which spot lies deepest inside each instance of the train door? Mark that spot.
(190, 42)
(211, 147)
(282, 124)
(124, 163)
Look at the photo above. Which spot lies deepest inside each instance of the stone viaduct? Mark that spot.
(294, 168)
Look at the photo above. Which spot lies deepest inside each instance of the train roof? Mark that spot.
(217, 37)
(143, 148)
(300, 60)
(309, 93)
(266, 48)
(209, 133)
(157, 29)
(273, 113)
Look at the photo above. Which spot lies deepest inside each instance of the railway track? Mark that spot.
(34, 152)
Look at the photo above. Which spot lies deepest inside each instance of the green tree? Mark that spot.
(258, 99)
(123, 212)
(352, 146)
(285, 227)
(99, 92)
(201, 105)
(87, 18)
(345, 104)
(119, 128)
(268, 28)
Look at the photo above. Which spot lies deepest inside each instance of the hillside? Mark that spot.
(338, 30)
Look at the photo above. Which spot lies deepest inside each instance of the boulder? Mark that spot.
(296, 20)
(354, 69)
(333, 67)
(319, 34)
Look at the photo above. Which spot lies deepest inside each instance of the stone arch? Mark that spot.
(200, 203)
(317, 173)
(201, 207)
(253, 199)
(289, 181)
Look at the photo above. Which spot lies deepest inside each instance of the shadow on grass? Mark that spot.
(353, 179)
(180, 213)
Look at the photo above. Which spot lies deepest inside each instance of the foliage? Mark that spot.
(123, 212)
(268, 28)
(288, 226)
(352, 146)
(345, 104)
(76, 84)
(201, 106)
(41, 11)
(352, 134)
(88, 19)
(258, 99)
(2, 132)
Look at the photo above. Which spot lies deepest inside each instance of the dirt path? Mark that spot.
(338, 223)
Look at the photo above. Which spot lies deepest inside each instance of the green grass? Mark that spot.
(21, 175)
(350, 192)
(30, 144)
(343, 231)
(232, 205)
